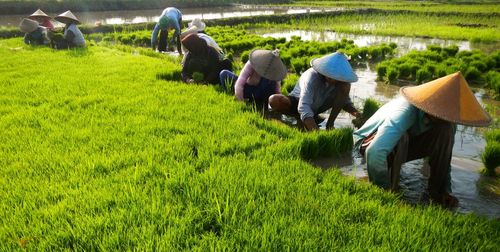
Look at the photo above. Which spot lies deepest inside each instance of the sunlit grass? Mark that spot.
(98, 153)
(421, 6)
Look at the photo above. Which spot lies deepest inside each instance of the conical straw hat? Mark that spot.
(448, 98)
(200, 25)
(39, 13)
(268, 64)
(28, 25)
(67, 17)
(335, 66)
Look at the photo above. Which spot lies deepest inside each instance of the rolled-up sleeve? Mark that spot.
(388, 135)
(306, 98)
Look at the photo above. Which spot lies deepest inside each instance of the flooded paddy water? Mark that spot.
(144, 16)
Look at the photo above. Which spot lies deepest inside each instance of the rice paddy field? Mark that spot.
(104, 148)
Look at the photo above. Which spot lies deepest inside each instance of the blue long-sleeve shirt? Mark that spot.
(314, 94)
(390, 122)
(173, 15)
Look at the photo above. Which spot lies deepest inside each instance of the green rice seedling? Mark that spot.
(450, 50)
(198, 77)
(405, 71)
(491, 157)
(472, 74)
(100, 154)
(392, 74)
(492, 79)
(381, 70)
(423, 75)
(369, 108)
(289, 83)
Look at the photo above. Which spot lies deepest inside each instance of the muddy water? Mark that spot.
(143, 16)
(405, 44)
(466, 161)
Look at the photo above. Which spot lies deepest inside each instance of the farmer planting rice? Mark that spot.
(42, 19)
(421, 123)
(202, 59)
(34, 33)
(323, 86)
(198, 27)
(73, 37)
(171, 18)
(260, 78)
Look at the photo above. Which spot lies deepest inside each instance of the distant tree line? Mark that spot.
(29, 6)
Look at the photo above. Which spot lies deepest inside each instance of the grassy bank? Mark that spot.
(98, 153)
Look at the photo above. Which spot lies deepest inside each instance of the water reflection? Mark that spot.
(143, 16)
(405, 44)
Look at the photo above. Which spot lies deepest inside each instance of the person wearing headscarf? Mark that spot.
(73, 37)
(419, 124)
(170, 18)
(34, 33)
(260, 77)
(326, 85)
(201, 59)
(197, 26)
(42, 19)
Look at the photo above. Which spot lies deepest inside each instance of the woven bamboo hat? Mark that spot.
(448, 98)
(200, 25)
(28, 25)
(268, 64)
(67, 17)
(335, 66)
(39, 13)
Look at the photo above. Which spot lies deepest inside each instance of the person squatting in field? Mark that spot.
(34, 33)
(260, 78)
(73, 37)
(323, 86)
(202, 59)
(170, 18)
(421, 123)
(42, 19)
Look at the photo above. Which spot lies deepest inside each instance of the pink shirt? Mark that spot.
(249, 76)
(47, 24)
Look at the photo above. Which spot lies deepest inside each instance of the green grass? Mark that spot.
(487, 6)
(97, 153)
(461, 26)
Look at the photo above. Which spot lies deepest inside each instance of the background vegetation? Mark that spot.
(101, 153)
(28, 6)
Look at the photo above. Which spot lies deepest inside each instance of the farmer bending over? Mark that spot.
(202, 59)
(420, 124)
(323, 86)
(34, 33)
(260, 78)
(171, 18)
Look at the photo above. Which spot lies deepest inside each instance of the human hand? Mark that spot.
(356, 114)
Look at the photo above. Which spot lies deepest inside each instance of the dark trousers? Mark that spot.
(258, 95)
(162, 41)
(437, 145)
